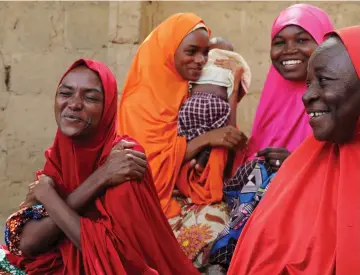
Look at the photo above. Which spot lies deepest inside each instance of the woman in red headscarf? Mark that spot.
(309, 220)
(97, 210)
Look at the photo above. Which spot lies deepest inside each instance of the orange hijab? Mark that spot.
(148, 111)
(309, 221)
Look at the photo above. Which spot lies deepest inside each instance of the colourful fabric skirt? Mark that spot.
(5, 267)
(242, 192)
(197, 227)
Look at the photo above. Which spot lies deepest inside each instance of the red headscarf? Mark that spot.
(65, 158)
(130, 234)
(309, 220)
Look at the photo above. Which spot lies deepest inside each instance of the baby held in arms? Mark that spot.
(214, 96)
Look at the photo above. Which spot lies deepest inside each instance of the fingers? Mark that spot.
(135, 172)
(220, 61)
(136, 175)
(277, 156)
(199, 168)
(236, 138)
(224, 63)
(130, 152)
(192, 163)
(31, 185)
(263, 152)
(139, 161)
(123, 144)
(28, 203)
(275, 163)
(135, 153)
(136, 167)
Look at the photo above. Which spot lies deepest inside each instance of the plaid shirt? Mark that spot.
(201, 113)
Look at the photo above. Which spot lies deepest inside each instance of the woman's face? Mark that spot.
(192, 54)
(79, 103)
(333, 96)
(290, 51)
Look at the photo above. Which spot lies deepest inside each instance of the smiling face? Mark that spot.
(333, 94)
(290, 51)
(192, 54)
(79, 103)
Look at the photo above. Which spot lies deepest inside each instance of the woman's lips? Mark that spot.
(72, 118)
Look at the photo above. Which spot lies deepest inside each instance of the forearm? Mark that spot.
(195, 146)
(87, 191)
(38, 235)
(63, 216)
(233, 111)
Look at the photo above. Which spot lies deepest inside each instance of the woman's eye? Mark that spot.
(322, 81)
(92, 98)
(278, 43)
(302, 40)
(65, 93)
(190, 52)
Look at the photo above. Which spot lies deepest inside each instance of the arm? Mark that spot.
(232, 121)
(38, 235)
(61, 214)
(122, 164)
(195, 146)
(233, 104)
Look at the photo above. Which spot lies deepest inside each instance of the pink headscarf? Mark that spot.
(280, 119)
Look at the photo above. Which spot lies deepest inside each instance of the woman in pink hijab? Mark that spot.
(281, 123)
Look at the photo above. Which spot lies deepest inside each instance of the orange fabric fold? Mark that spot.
(148, 110)
(309, 220)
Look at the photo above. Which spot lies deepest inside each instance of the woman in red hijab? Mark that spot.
(97, 210)
(309, 220)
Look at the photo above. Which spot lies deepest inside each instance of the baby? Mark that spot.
(207, 108)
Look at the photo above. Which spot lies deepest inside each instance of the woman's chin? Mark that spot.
(194, 76)
(71, 132)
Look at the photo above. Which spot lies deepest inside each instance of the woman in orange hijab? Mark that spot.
(156, 86)
(309, 220)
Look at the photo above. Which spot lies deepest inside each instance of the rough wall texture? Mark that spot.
(39, 40)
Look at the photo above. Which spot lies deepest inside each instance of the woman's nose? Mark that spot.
(200, 59)
(75, 102)
(309, 96)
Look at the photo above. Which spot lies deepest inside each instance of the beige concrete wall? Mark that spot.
(39, 40)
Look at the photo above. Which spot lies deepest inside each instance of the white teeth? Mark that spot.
(317, 114)
(291, 62)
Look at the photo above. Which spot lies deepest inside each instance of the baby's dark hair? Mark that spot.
(221, 43)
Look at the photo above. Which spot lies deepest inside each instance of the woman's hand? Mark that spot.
(31, 199)
(228, 137)
(41, 189)
(274, 156)
(124, 164)
(229, 64)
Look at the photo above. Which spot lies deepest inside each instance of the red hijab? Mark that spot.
(309, 221)
(130, 234)
(64, 158)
